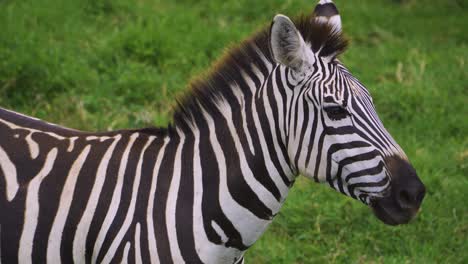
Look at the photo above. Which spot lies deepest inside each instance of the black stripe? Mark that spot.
(125, 198)
(287, 75)
(162, 191)
(211, 208)
(184, 207)
(375, 132)
(369, 171)
(340, 146)
(49, 197)
(365, 156)
(319, 152)
(312, 134)
(353, 187)
(362, 197)
(284, 99)
(304, 127)
(105, 195)
(81, 195)
(271, 96)
(268, 138)
(367, 134)
(238, 187)
(149, 161)
(259, 169)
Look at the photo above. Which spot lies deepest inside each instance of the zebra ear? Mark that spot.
(287, 46)
(326, 12)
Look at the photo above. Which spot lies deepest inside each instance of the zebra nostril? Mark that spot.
(411, 197)
(404, 199)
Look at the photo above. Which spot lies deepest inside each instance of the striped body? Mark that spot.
(110, 196)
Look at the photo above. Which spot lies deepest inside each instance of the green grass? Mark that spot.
(103, 64)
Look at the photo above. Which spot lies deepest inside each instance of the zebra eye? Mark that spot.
(336, 112)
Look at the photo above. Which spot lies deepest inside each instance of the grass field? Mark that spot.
(102, 64)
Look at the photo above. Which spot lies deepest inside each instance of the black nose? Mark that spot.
(410, 194)
(407, 189)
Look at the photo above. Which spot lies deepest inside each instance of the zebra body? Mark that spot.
(112, 189)
(204, 189)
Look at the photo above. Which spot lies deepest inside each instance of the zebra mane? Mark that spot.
(205, 90)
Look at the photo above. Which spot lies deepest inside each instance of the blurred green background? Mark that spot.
(102, 64)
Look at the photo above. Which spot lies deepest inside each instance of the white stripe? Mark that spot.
(296, 132)
(207, 251)
(265, 196)
(32, 130)
(125, 254)
(33, 146)
(219, 231)
(11, 177)
(131, 209)
(290, 116)
(72, 144)
(82, 229)
(172, 204)
(138, 259)
(149, 213)
(32, 209)
(260, 78)
(66, 198)
(274, 173)
(115, 201)
(288, 101)
(315, 152)
(101, 139)
(341, 154)
(377, 191)
(250, 83)
(373, 134)
(375, 178)
(281, 158)
(279, 104)
(306, 147)
(249, 226)
(360, 165)
(240, 99)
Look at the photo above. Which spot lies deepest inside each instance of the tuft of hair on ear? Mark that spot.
(323, 38)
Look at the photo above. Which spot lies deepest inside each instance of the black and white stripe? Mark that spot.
(204, 189)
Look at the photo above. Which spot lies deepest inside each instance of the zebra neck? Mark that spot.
(240, 169)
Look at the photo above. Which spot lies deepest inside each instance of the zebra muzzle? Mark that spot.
(406, 194)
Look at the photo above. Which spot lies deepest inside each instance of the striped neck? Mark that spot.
(240, 156)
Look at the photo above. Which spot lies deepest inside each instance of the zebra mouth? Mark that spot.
(405, 197)
(390, 213)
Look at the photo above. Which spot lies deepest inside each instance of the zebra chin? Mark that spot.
(405, 196)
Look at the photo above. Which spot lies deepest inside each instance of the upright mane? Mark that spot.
(251, 53)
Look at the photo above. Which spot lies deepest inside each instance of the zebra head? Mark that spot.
(334, 134)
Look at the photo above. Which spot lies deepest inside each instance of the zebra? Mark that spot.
(205, 188)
